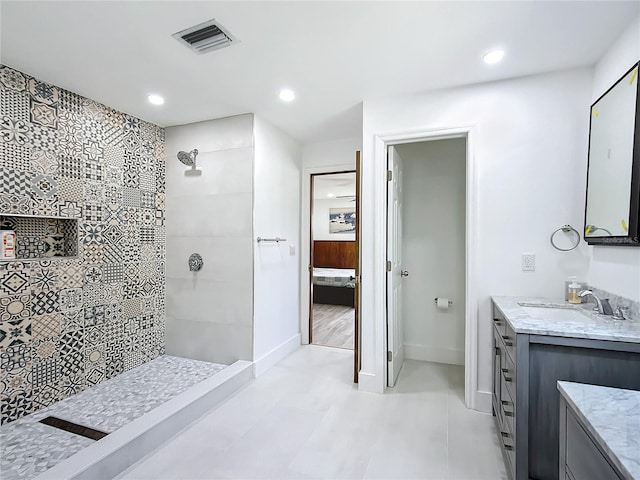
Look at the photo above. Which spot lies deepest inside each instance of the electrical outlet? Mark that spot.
(528, 262)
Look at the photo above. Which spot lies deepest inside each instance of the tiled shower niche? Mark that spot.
(42, 237)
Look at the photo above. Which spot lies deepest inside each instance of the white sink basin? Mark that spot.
(557, 313)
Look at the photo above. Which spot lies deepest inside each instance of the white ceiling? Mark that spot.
(333, 54)
(337, 184)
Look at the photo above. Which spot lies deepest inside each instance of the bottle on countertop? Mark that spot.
(7, 244)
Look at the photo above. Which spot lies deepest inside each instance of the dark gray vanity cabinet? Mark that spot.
(526, 401)
(580, 456)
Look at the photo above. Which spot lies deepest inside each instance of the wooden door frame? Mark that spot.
(305, 253)
(381, 143)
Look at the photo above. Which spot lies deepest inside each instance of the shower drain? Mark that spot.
(71, 427)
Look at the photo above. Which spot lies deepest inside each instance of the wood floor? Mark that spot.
(333, 326)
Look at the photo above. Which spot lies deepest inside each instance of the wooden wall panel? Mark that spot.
(331, 254)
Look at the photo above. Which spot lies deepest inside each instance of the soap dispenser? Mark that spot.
(573, 291)
(569, 281)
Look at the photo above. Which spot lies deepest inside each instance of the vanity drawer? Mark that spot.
(508, 371)
(509, 446)
(497, 374)
(499, 321)
(507, 410)
(509, 338)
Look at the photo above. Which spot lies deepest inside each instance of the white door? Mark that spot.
(395, 274)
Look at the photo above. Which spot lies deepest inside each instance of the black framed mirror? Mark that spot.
(612, 207)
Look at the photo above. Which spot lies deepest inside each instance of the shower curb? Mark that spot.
(119, 450)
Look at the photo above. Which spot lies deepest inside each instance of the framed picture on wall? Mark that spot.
(342, 220)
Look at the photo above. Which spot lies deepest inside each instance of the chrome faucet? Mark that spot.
(602, 306)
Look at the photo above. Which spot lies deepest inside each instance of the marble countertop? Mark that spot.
(592, 326)
(612, 417)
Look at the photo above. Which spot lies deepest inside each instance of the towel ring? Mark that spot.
(565, 229)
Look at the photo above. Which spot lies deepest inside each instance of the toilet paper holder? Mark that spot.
(435, 300)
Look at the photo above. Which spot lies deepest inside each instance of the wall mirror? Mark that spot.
(613, 177)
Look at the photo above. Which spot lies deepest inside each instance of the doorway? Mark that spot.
(332, 311)
(426, 253)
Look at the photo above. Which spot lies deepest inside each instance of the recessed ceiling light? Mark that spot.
(287, 95)
(155, 99)
(330, 195)
(493, 57)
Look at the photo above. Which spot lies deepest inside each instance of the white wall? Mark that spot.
(209, 313)
(338, 153)
(433, 249)
(616, 269)
(320, 223)
(530, 152)
(322, 157)
(276, 266)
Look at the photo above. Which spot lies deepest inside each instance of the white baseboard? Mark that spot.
(434, 354)
(368, 382)
(268, 360)
(483, 401)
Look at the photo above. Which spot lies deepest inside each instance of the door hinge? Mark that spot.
(310, 268)
(389, 175)
(388, 265)
(389, 356)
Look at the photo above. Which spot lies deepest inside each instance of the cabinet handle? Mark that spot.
(507, 340)
(505, 434)
(505, 371)
(508, 447)
(505, 402)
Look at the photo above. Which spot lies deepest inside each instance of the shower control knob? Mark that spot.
(195, 262)
(404, 273)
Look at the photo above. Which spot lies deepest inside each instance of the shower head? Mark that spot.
(188, 158)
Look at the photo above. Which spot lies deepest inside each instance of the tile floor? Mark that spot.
(28, 448)
(304, 419)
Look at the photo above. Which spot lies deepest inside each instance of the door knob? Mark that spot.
(404, 273)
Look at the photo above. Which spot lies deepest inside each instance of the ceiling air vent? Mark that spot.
(205, 37)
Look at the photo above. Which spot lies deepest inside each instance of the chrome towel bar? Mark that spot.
(276, 240)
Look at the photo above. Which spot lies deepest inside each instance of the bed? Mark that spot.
(334, 272)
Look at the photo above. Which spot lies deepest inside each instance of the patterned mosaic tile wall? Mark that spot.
(68, 324)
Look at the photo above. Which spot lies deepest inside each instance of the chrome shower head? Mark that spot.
(188, 158)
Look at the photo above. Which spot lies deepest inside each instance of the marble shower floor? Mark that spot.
(28, 448)
(333, 326)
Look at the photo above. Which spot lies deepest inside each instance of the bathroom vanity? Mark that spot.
(538, 342)
(599, 432)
